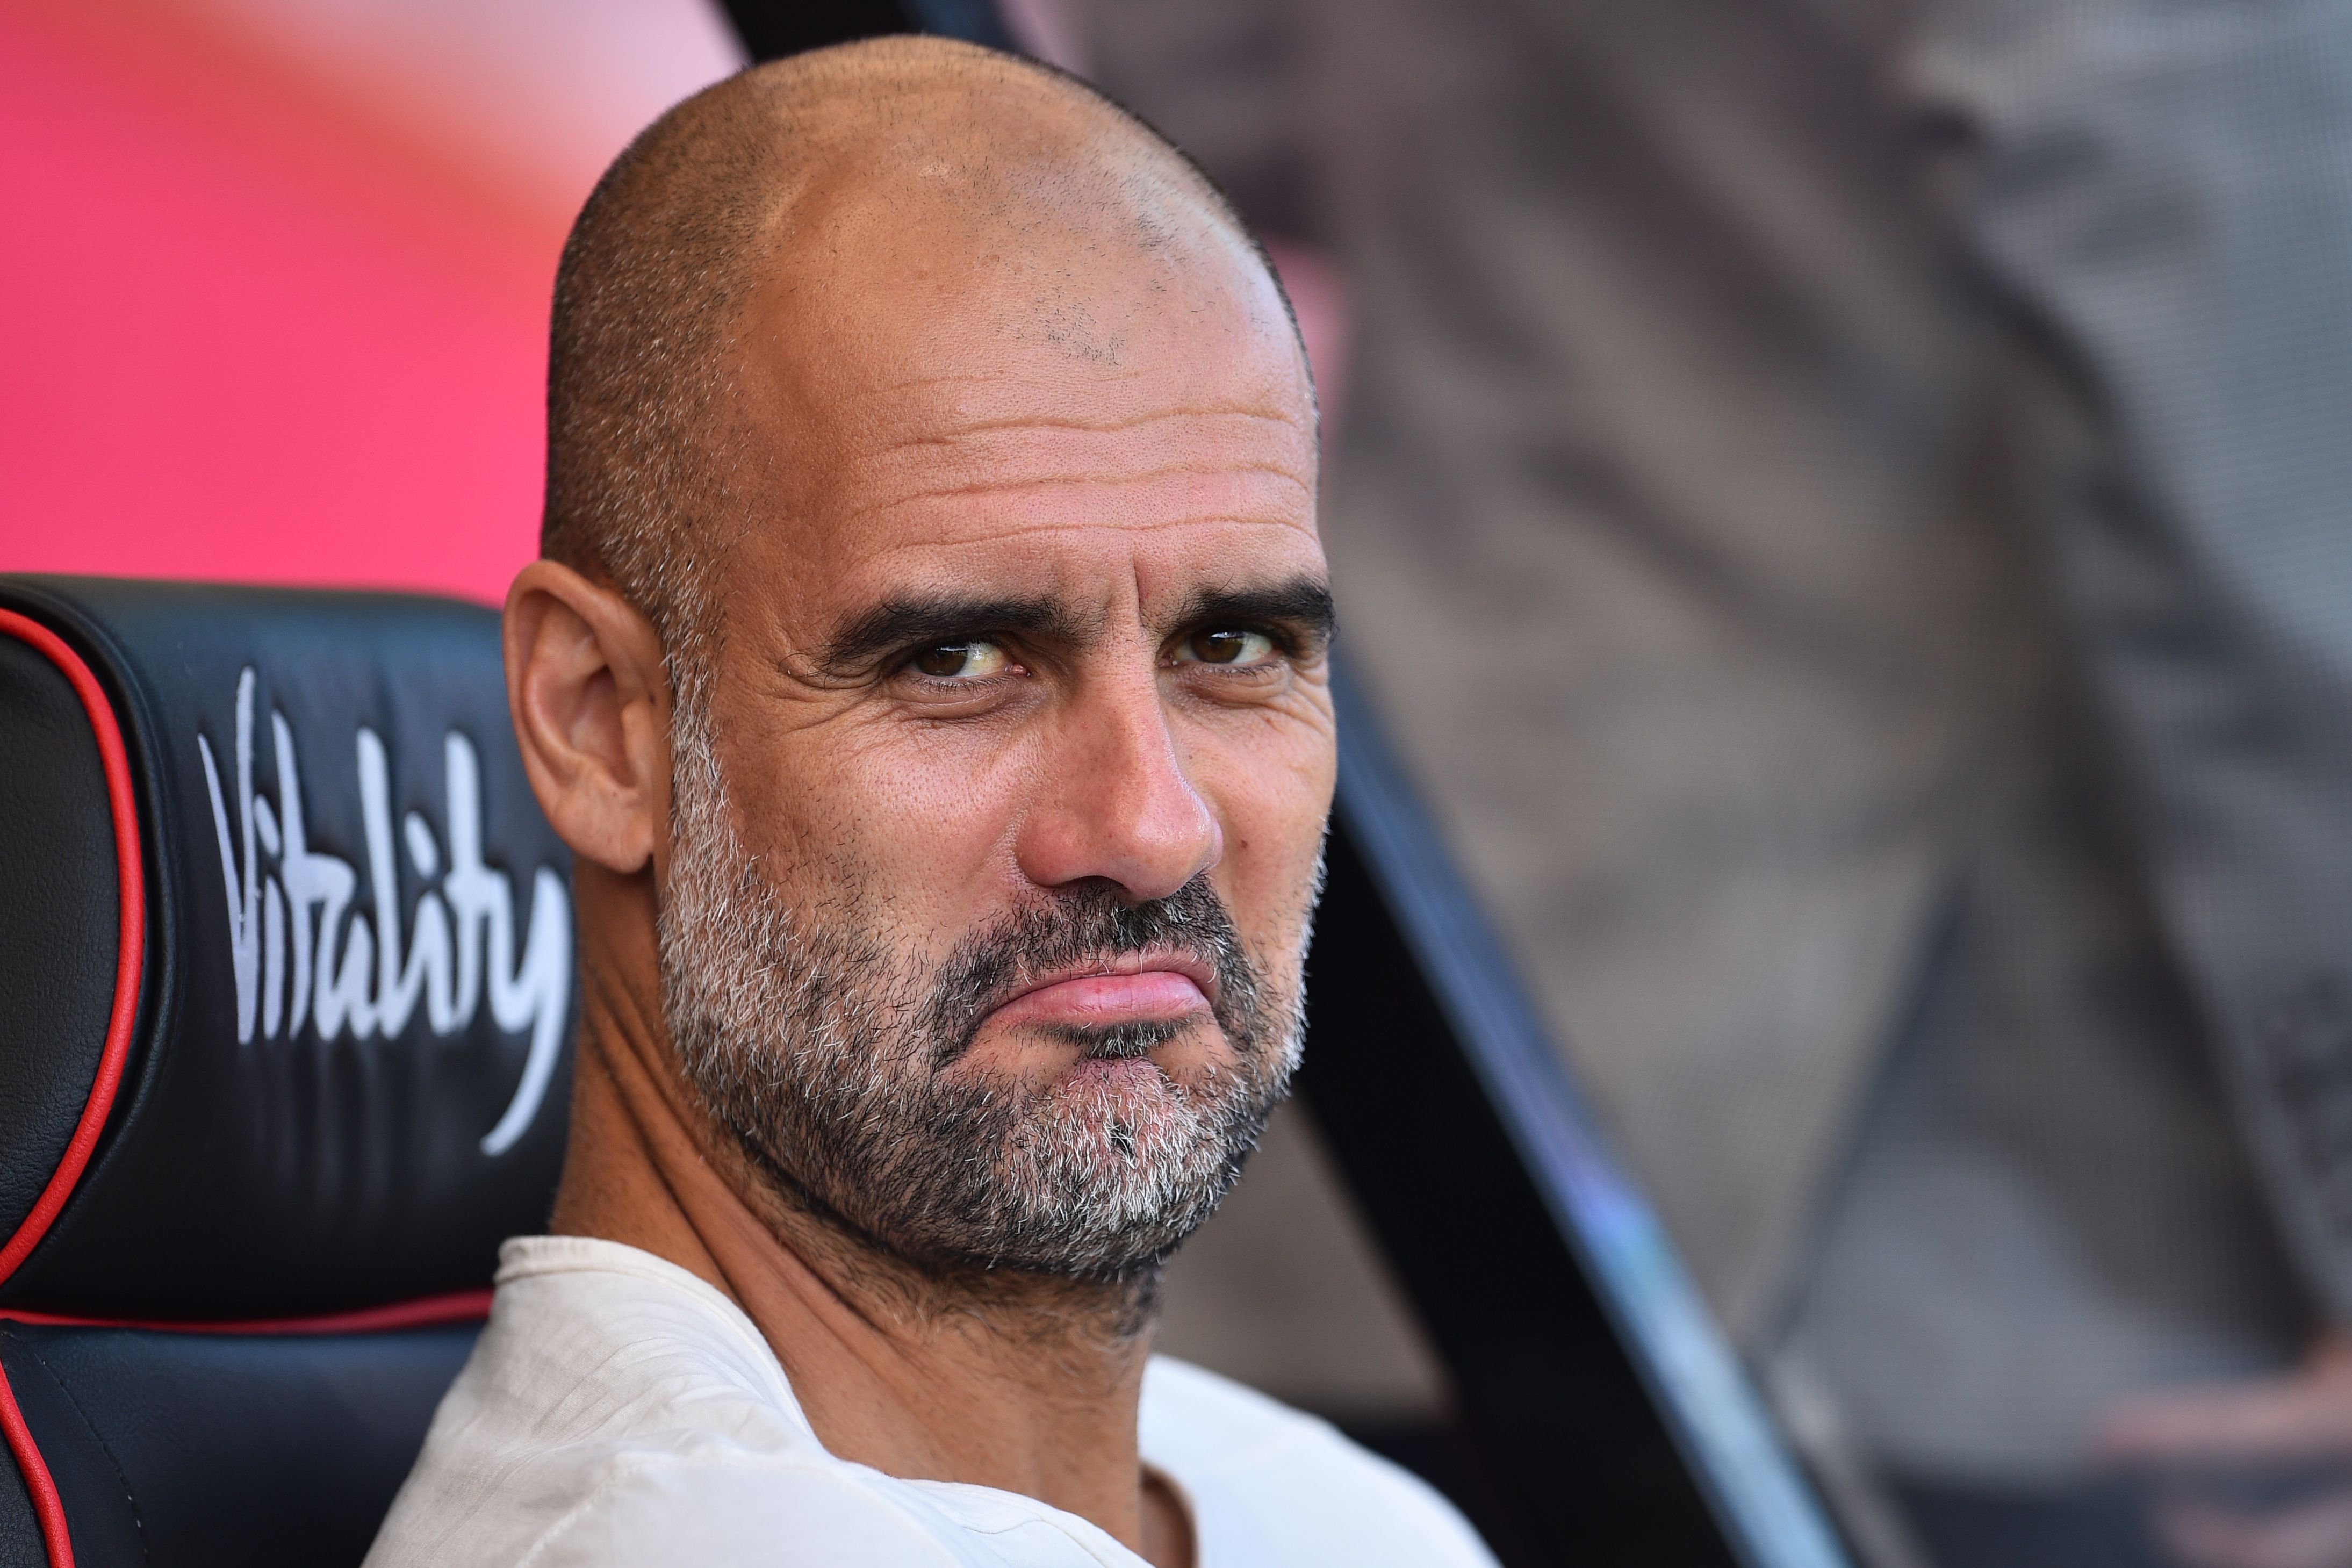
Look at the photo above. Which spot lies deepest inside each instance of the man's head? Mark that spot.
(931, 649)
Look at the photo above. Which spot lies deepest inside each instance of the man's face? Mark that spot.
(998, 825)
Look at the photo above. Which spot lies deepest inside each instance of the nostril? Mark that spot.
(1098, 885)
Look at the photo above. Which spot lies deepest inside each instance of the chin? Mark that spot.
(1113, 1110)
(1133, 1090)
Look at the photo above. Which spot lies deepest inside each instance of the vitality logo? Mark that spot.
(299, 961)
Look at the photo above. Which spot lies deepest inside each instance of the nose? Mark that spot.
(1114, 802)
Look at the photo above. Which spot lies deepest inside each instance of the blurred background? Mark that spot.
(1843, 506)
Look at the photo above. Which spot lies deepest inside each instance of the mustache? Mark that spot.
(1094, 925)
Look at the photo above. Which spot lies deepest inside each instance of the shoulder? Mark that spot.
(713, 1511)
(590, 1343)
(1271, 1484)
(609, 1387)
(710, 1508)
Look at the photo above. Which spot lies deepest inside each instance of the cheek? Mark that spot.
(923, 815)
(1273, 802)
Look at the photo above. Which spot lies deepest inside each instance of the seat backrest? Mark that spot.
(285, 994)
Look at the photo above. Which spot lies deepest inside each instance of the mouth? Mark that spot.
(1152, 987)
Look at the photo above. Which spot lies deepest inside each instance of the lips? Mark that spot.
(1131, 988)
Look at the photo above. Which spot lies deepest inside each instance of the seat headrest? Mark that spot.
(342, 1006)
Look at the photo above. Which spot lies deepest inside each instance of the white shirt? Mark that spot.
(620, 1411)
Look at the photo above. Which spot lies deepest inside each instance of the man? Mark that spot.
(927, 671)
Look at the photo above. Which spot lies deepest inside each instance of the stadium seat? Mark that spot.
(286, 992)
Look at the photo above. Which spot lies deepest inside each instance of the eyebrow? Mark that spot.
(906, 622)
(1303, 604)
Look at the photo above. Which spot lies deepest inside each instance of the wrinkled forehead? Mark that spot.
(908, 279)
(1066, 377)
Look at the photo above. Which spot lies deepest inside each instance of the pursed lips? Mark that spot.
(1131, 988)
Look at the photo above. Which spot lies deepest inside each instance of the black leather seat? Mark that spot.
(285, 994)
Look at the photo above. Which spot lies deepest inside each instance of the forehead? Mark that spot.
(936, 394)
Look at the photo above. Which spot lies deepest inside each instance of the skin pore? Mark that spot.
(1025, 600)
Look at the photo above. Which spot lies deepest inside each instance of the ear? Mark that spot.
(590, 696)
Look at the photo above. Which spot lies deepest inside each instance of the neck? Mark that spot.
(1017, 1382)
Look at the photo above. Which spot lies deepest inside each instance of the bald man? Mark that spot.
(926, 667)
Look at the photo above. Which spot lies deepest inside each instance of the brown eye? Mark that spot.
(1228, 648)
(974, 660)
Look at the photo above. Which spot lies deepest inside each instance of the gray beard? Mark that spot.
(825, 1054)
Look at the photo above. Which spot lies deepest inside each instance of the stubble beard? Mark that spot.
(829, 1057)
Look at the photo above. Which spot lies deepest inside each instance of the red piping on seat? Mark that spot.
(429, 1312)
(129, 963)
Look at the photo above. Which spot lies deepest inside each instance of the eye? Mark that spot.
(976, 658)
(1226, 646)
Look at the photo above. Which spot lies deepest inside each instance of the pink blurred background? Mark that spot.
(277, 273)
